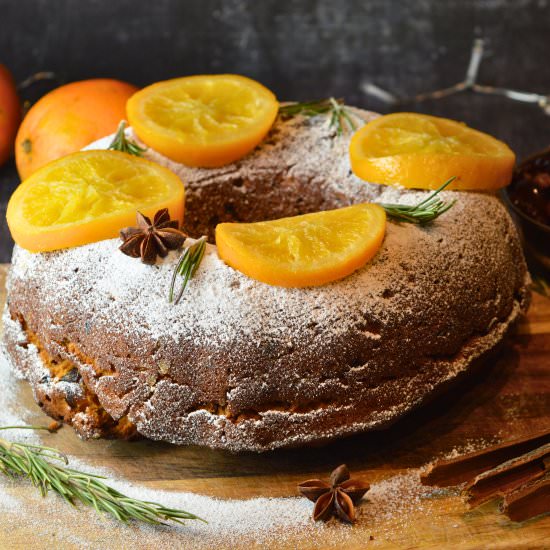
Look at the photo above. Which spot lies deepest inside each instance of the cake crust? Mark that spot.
(242, 365)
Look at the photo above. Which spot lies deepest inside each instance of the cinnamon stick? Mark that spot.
(528, 501)
(508, 476)
(455, 471)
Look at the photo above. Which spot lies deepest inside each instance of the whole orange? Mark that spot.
(10, 113)
(69, 118)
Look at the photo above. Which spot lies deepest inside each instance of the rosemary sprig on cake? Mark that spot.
(424, 212)
(187, 267)
(340, 117)
(38, 464)
(123, 144)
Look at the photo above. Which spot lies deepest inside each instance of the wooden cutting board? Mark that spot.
(509, 398)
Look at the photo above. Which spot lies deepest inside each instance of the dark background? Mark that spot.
(301, 49)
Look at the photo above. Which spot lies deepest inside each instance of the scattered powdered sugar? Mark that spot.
(469, 446)
(266, 522)
(9, 502)
(10, 410)
(393, 497)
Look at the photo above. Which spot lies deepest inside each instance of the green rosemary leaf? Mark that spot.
(306, 108)
(122, 143)
(187, 267)
(424, 212)
(340, 118)
(34, 462)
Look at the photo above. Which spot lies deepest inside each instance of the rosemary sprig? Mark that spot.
(424, 212)
(187, 267)
(37, 463)
(339, 116)
(122, 143)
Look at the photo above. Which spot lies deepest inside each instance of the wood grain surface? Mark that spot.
(509, 398)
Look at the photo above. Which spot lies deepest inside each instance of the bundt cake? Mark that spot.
(242, 365)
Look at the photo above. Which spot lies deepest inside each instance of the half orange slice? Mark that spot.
(203, 120)
(89, 196)
(307, 250)
(421, 151)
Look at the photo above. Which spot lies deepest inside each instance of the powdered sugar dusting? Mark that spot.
(266, 522)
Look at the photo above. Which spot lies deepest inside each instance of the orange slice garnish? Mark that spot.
(203, 120)
(307, 250)
(89, 196)
(421, 151)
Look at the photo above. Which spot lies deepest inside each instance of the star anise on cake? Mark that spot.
(151, 239)
(336, 498)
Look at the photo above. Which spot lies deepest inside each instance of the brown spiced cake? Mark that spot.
(243, 365)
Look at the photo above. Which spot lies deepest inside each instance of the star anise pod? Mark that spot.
(150, 240)
(338, 497)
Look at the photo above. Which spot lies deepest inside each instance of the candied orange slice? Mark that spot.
(421, 151)
(89, 196)
(307, 250)
(203, 120)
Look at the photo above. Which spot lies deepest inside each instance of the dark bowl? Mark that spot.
(535, 235)
(530, 187)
